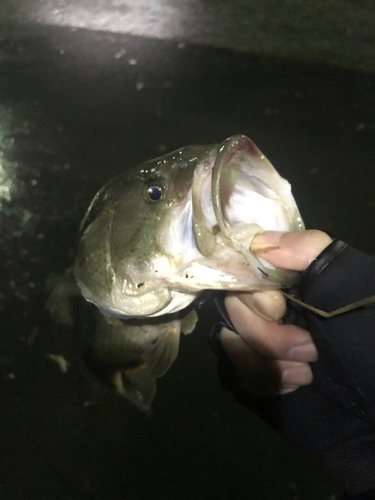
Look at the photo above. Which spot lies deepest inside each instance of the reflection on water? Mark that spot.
(159, 18)
(21, 150)
(338, 31)
(8, 167)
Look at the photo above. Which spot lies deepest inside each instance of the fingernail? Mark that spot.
(266, 241)
(269, 305)
(305, 352)
(298, 375)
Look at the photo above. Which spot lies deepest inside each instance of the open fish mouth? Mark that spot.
(236, 196)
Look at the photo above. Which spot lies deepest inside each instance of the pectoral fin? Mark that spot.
(189, 321)
(165, 351)
(122, 343)
(138, 386)
(62, 290)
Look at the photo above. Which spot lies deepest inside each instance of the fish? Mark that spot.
(158, 238)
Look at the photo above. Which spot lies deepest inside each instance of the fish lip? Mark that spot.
(207, 184)
(265, 181)
(219, 158)
(227, 150)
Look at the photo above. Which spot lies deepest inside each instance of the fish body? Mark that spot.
(157, 236)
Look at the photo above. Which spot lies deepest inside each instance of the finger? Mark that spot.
(269, 304)
(262, 376)
(292, 250)
(270, 339)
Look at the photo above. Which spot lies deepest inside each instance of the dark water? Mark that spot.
(77, 107)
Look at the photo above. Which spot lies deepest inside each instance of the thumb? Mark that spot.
(293, 250)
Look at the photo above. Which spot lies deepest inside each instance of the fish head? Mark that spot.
(133, 234)
(156, 236)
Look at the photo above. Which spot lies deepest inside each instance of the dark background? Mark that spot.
(78, 105)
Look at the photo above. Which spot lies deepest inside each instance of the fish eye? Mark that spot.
(153, 192)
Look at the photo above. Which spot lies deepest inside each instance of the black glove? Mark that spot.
(335, 415)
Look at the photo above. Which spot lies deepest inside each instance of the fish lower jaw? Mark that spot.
(176, 301)
(179, 301)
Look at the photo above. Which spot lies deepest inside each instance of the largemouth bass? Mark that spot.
(157, 236)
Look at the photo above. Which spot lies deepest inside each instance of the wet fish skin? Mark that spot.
(155, 237)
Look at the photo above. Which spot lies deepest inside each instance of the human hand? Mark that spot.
(272, 358)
